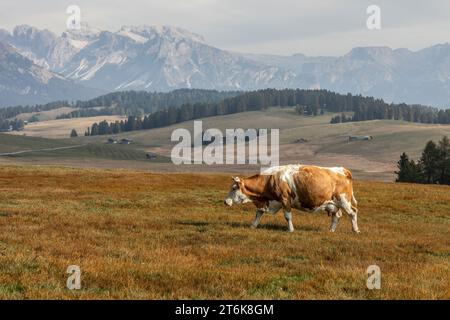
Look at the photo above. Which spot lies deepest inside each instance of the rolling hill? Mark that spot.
(324, 143)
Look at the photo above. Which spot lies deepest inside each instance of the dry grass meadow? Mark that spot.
(60, 129)
(142, 235)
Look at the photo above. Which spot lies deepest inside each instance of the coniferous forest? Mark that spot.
(136, 103)
(146, 110)
(306, 102)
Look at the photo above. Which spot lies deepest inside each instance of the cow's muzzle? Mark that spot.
(228, 202)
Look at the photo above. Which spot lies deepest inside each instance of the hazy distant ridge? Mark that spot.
(162, 58)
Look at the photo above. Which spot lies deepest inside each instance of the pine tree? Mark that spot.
(444, 161)
(73, 133)
(429, 162)
(94, 129)
(408, 171)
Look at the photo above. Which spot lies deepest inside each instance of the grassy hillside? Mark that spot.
(12, 143)
(153, 236)
(15, 148)
(389, 136)
(97, 151)
(327, 144)
(280, 118)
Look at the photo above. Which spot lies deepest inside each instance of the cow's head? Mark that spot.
(236, 194)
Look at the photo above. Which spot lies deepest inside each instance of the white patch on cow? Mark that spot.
(278, 169)
(338, 170)
(288, 217)
(243, 197)
(345, 204)
(286, 174)
(236, 196)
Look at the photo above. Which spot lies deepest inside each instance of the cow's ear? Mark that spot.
(236, 179)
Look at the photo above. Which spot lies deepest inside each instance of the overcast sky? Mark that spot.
(319, 27)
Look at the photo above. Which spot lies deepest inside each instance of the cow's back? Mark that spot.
(315, 185)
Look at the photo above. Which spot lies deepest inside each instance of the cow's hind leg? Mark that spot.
(259, 214)
(351, 210)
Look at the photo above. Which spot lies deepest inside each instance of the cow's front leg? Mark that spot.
(259, 214)
(288, 217)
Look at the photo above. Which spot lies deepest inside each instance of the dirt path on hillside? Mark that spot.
(39, 150)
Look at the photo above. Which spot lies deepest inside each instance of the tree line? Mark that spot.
(11, 112)
(139, 103)
(379, 110)
(135, 103)
(248, 101)
(160, 109)
(11, 125)
(310, 102)
(432, 167)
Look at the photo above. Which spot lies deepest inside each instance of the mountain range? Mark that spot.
(26, 83)
(163, 58)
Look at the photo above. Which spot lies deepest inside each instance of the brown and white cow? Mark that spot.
(307, 188)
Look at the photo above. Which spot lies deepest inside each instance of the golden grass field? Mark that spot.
(45, 115)
(60, 129)
(139, 235)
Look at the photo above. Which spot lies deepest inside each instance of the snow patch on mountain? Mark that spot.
(134, 36)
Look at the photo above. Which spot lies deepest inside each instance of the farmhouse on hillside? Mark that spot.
(359, 138)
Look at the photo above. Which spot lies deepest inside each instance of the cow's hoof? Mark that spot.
(332, 231)
(356, 231)
(290, 230)
(253, 227)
